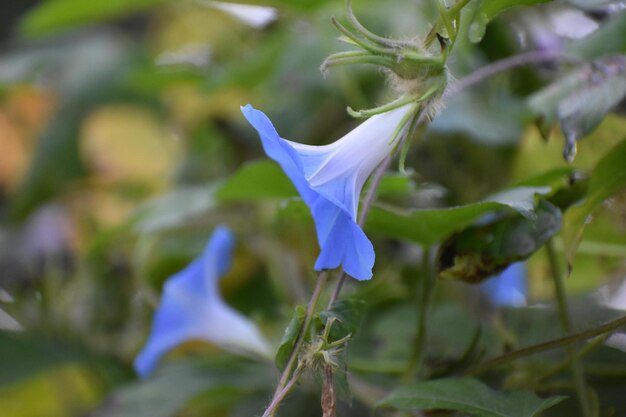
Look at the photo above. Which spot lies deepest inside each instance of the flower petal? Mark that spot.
(342, 242)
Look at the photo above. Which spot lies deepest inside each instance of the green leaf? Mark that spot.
(289, 338)
(175, 384)
(481, 251)
(55, 15)
(255, 181)
(428, 227)
(467, 395)
(607, 39)
(608, 178)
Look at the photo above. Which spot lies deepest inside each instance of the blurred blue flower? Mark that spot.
(330, 178)
(191, 308)
(508, 289)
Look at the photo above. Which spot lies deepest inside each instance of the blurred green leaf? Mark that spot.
(554, 178)
(256, 180)
(487, 10)
(56, 15)
(481, 251)
(252, 66)
(289, 338)
(395, 186)
(174, 209)
(23, 356)
(590, 4)
(97, 70)
(176, 383)
(608, 177)
(607, 39)
(492, 8)
(486, 118)
(428, 227)
(467, 395)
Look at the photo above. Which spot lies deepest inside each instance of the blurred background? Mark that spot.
(120, 119)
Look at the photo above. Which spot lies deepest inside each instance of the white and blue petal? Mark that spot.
(191, 308)
(330, 179)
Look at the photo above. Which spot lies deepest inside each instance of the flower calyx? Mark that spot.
(323, 352)
(417, 74)
(407, 60)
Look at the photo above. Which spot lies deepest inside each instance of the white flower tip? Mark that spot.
(254, 16)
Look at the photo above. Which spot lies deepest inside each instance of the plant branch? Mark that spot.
(287, 380)
(506, 64)
(549, 345)
(588, 348)
(421, 334)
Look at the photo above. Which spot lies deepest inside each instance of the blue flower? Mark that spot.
(191, 308)
(509, 288)
(330, 179)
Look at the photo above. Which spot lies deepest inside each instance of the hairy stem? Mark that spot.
(566, 323)
(287, 380)
(282, 391)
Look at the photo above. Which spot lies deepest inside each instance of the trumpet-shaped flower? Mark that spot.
(191, 308)
(330, 178)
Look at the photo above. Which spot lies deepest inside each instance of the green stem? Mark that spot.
(549, 345)
(287, 380)
(423, 306)
(566, 323)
